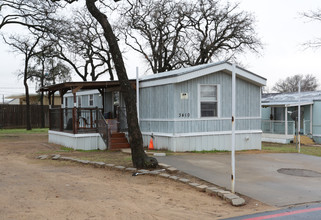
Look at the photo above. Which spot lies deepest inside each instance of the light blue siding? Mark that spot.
(317, 121)
(163, 110)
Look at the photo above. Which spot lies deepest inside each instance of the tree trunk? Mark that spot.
(42, 95)
(25, 78)
(139, 158)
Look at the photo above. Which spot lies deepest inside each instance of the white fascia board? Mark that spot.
(275, 104)
(205, 71)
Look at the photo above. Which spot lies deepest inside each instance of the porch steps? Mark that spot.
(118, 141)
(305, 140)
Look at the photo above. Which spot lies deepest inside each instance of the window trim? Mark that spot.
(218, 103)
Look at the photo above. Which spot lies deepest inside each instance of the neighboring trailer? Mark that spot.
(190, 109)
(277, 123)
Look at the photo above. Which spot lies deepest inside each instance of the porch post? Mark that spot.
(74, 115)
(311, 118)
(61, 111)
(49, 100)
(286, 120)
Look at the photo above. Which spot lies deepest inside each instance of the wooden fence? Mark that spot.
(14, 116)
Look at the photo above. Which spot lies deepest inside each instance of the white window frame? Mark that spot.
(93, 98)
(218, 103)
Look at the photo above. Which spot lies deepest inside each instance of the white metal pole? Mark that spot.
(299, 117)
(137, 93)
(233, 130)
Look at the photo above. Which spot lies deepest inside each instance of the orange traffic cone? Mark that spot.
(151, 145)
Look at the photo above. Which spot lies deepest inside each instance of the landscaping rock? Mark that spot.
(221, 193)
(202, 188)
(109, 165)
(164, 175)
(98, 164)
(55, 156)
(164, 165)
(172, 170)
(173, 177)
(43, 157)
(194, 184)
(229, 197)
(183, 180)
(153, 172)
(143, 171)
(131, 169)
(119, 167)
(212, 190)
(238, 202)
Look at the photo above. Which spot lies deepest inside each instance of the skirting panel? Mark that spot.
(219, 142)
(91, 141)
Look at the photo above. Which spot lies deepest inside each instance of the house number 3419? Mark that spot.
(183, 115)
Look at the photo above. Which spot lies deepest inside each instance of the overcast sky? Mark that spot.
(280, 26)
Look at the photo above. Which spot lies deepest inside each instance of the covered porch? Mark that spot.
(279, 127)
(86, 128)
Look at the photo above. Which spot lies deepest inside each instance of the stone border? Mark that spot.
(228, 196)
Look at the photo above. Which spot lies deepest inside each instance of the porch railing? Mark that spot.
(278, 127)
(75, 120)
(103, 129)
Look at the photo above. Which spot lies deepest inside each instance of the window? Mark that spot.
(79, 101)
(208, 101)
(91, 100)
(66, 102)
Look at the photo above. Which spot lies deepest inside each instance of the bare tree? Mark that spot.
(156, 30)
(139, 157)
(291, 83)
(29, 47)
(82, 45)
(171, 34)
(34, 14)
(313, 16)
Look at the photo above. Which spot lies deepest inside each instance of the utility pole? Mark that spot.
(233, 129)
(299, 118)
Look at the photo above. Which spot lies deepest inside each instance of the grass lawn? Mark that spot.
(290, 148)
(24, 131)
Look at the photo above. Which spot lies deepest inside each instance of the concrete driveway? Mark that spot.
(257, 175)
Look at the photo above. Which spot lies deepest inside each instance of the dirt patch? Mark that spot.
(47, 189)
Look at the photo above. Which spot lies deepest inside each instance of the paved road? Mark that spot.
(257, 175)
(311, 212)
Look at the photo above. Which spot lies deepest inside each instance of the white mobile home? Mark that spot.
(190, 109)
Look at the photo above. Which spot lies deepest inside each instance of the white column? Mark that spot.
(286, 120)
(311, 118)
(233, 130)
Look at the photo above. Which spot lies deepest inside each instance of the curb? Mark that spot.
(228, 196)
